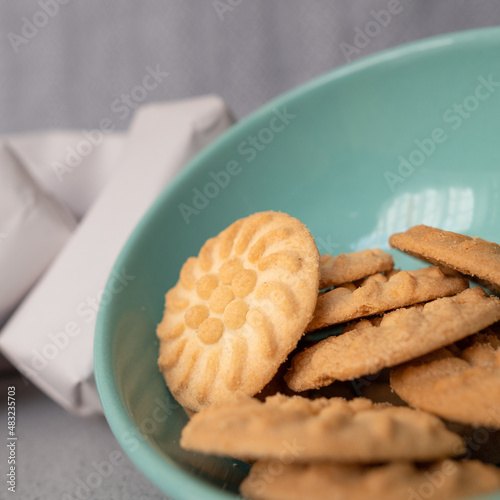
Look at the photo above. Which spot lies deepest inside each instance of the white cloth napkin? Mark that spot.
(49, 337)
(33, 227)
(73, 167)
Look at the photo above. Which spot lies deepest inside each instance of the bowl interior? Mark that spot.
(406, 137)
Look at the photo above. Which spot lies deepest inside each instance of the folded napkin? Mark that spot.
(72, 167)
(33, 227)
(49, 337)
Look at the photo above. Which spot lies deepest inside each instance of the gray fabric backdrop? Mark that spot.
(66, 63)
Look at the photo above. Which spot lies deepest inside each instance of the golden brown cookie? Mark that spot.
(347, 267)
(355, 431)
(238, 309)
(460, 384)
(474, 257)
(445, 480)
(402, 335)
(378, 294)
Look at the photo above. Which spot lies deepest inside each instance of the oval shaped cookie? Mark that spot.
(238, 309)
(477, 258)
(445, 480)
(401, 336)
(347, 267)
(356, 431)
(461, 384)
(380, 293)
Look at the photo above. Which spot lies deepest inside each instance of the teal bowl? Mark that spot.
(405, 137)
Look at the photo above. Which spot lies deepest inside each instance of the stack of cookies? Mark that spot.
(231, 334)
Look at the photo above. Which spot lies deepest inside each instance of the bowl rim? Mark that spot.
(163, 471)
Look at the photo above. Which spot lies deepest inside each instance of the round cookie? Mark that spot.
(238, 309)
(355, 431)
(461, 384)
(401, 336)
(445, 480)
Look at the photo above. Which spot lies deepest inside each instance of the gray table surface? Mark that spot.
(58, 454)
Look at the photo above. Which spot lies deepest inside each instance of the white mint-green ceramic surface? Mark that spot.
(408, 136)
